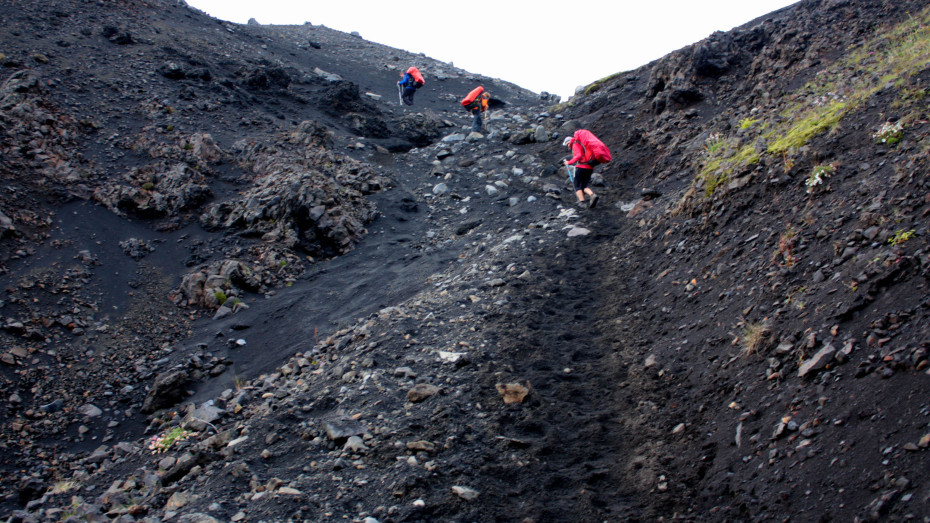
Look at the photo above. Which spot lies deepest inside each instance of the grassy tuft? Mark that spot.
(754, 337)
(598, 84)
(818, 121)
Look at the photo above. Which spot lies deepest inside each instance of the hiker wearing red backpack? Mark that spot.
(587, 152)
(409, 83)
(476, 102)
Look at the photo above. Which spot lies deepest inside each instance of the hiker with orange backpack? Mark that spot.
(476, 102)
(587, 152)
(411, 81)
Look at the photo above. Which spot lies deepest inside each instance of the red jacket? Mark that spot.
(578, 152)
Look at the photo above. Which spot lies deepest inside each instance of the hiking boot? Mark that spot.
(594, 199)
(582, 205)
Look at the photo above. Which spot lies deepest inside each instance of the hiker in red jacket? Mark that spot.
(583, 172)
(476, 102)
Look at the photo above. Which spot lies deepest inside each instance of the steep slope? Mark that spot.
(776, 290)
(738, 333)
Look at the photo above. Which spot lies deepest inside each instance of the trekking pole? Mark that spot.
(400, 94)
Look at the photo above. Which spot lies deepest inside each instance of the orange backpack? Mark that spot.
(469, 101)
(417, 77)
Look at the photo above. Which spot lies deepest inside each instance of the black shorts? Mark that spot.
(582, 178)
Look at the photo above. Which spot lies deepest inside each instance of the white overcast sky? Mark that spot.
(540, 45)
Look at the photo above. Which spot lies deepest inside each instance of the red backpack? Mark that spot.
(472, 96)
(594, 150)
(417, 77)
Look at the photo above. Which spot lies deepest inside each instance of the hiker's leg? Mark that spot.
(477, 124)
(582, 178)
(579, 189)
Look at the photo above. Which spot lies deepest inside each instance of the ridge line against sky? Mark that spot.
(538, 45)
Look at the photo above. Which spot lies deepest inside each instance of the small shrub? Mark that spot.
(188, 146)
(148, 186)
(901, 236)
(784, 255)
(753, 337)
(889, 133)
(713, 144)
(163, 442)
(818, 173)
(220, 297)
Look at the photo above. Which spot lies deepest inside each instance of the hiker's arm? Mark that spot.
(577, 152)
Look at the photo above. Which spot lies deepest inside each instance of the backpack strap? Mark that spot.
(584, 151)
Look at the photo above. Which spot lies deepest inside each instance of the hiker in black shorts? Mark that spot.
(583, 172)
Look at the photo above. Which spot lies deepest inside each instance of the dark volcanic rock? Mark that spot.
(168, 390)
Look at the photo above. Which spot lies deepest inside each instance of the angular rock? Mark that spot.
(355, 444)
(167, 390)
(818, 361)
(89, 410)
(513, 392)
(422, 392)
(468, 494)
(341, 430)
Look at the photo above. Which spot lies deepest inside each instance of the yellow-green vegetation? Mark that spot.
(901, 236)
(148, 186)
(722, 158)
(597, 84)
(817, 121)
(746, 123)
(220, 297)
(891, 58)
(909, 97)
(754, 336)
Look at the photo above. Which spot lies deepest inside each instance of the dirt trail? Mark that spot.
(580, 449)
